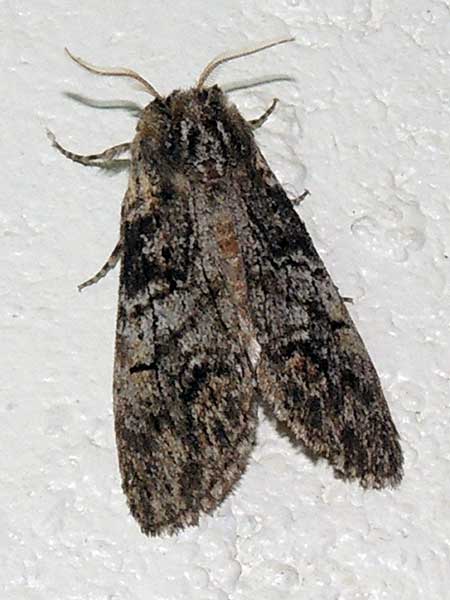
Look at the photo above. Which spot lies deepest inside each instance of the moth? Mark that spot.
(225, 306)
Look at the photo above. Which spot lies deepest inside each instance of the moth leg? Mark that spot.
(255, 123)
(105, 156)
(108, 266)
(299, 199)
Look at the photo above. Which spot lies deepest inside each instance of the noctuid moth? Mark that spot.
(224, 306)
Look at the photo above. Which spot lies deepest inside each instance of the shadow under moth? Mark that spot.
(224, 306)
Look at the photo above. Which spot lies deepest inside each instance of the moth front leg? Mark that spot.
(91, 159)
(108, 266)
(255, 123)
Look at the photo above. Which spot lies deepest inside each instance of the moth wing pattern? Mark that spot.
(184, 399)
(315, 374)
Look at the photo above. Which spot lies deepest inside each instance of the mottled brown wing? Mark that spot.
(315, 373)
(185, 411)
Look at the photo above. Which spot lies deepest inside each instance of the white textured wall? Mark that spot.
(365, 127)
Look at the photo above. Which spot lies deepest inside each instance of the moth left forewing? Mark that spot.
(314, 372)
(184, 403)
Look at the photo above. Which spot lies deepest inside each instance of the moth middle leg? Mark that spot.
(299, 199)
(91, 159)
(108, 266)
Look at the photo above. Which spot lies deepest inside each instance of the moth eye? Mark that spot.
(203, 95)
(160, 111)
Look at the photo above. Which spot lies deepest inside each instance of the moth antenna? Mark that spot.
(120, 72)
(227, 56)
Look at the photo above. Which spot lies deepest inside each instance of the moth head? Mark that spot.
(191, 128)
(193, 131)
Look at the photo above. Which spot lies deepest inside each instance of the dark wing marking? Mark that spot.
(185, 411)
(315, 373)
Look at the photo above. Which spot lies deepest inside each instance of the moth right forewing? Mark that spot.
(314, 372)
